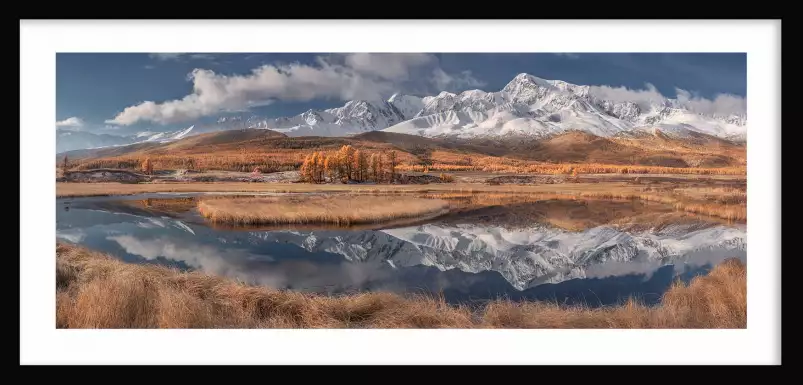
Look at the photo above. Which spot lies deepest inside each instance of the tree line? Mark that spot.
(348, 164)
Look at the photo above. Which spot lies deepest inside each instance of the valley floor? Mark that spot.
(464, 181)
(95, 290)
(722, 197)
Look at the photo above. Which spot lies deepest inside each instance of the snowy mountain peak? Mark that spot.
(532, 106)
(407, 105)
(526, 106)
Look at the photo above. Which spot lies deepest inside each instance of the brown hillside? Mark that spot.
(243, 150)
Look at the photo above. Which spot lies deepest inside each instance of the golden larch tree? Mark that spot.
(392, 163)
(320, 166)
(356, 166)
(308, 169)
(376, 169)
(330, 166)
(361, 165)
(64, 166)
(147, 166)
(380, 170)
(347, 160)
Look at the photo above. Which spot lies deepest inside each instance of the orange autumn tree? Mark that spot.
(356, 166)
(306, 169)
(319, 166)
(312, 169)
(64, 166)
(361, 165)
(376, 167)
(392, 163)
(147, 166)
(330, 165)
(346, 155)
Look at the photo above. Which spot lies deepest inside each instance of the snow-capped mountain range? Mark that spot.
(67, 140)
(526, 106)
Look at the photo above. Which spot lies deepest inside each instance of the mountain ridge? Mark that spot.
(527, 106)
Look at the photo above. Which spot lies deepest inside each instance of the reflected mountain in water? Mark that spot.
(464, 258)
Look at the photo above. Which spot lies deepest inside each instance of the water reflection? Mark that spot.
(463, 260)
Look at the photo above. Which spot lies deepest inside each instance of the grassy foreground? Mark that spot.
(97, 291)
(338, 209)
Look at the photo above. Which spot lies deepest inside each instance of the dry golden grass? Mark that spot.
(287, 160)
(165, 205)
(500, 165)
(333, 209)
(94, 290)
(722, 202)
(105, 189)
(706, 206)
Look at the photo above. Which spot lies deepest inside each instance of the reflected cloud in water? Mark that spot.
(462, 262)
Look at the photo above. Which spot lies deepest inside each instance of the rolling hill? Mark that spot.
(243, 150)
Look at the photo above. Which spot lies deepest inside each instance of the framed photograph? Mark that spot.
(487, 198)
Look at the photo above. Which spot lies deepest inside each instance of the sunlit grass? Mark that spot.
(97, 291)
(722, 202)
(307, 209)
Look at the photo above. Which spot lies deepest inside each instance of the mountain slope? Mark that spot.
(526, 106)
(68, 140)
(354, 117)
(644, 148)
(531, 106)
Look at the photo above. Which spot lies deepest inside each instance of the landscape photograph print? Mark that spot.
(209, 190)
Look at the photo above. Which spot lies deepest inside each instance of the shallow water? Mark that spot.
(571, 251)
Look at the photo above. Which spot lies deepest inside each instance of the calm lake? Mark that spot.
(566, 250)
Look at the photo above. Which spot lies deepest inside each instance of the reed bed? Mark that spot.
(525, 167)
(325, 209)
(722, 202)
(731, 212)
(94, 290)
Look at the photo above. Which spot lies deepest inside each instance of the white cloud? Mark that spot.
(387, 65)
(623, 94)
(74, 122)
(348, 77)
(722, 104)
(448, 82)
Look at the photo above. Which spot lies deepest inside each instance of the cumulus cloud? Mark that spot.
(70, 122)
(387, 65)
(448, 82)
(352, 76)
(623, 94)
(722, 104)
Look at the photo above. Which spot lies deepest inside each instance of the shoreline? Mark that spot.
(81, 189)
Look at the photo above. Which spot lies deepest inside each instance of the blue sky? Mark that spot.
(105, 92)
